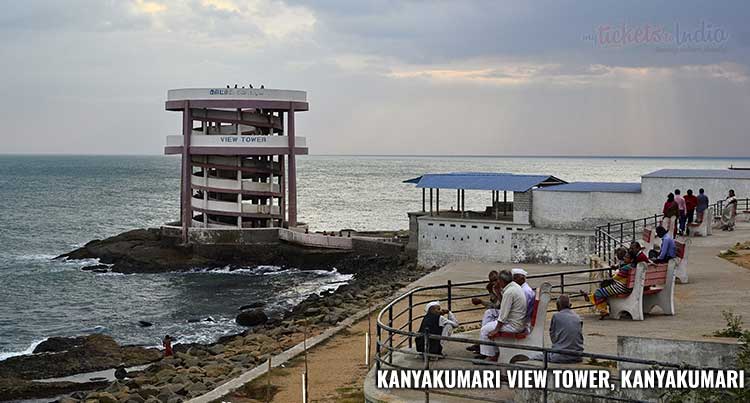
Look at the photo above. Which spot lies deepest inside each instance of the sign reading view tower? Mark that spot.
(238, 150)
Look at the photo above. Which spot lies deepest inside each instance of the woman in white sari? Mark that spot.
(729, 213)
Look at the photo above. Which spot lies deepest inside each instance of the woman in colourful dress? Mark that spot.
(618, 284)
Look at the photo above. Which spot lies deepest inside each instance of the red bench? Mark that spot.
(533, 338)
(652, 285)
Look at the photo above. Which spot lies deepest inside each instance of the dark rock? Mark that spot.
(82, 354)
(58, 344)
(96, 268)
(251, 318)
(143, 323)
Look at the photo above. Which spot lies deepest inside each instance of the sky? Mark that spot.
(578, 78)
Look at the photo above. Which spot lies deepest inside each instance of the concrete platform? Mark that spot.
(715, 285)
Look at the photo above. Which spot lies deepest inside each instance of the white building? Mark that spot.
(547, 220)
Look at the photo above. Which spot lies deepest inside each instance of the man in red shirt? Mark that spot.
(690, 203)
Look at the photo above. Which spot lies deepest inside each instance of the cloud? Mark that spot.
(408, 77)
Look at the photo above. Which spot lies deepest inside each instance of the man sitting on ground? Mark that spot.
(435, 322)
(519, 276)
(511, 315)
(668, 249)
(566, 333)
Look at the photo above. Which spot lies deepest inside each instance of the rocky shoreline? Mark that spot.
(195, 369)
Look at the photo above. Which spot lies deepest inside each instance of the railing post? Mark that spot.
(621, 233)
(635, 238)
(562, 284)
(410, 317)
(377, 347)
(656, 222)
(390, 334)
(546, 366)
(450, 296)
(426, 353)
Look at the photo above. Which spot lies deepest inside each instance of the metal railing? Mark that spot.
(396, 334)
(610, 236)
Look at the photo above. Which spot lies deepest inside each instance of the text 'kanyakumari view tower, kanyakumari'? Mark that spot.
(238, 148)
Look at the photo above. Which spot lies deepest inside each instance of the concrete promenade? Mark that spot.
(715, 285)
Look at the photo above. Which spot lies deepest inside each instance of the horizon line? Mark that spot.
(400, 155)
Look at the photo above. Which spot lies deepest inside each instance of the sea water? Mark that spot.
(52, 204)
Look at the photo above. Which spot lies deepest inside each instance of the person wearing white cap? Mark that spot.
(519, 276)
(435, 321)
(511, 316)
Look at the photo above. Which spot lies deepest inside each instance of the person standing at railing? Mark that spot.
(492, 304)
(729, 215)
(702, 205)
(511, 318)
(691, 202)
(671, 213)
(682, 206)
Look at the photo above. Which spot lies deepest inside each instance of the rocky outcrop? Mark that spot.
(147, 251)
(58, 357)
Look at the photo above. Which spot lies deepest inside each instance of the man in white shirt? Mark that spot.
(519, 276)
(511, 315)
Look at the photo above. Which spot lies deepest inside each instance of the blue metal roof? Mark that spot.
(612, 187)
(700, 173)
(482, 181)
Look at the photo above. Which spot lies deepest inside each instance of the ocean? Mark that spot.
(53, 204)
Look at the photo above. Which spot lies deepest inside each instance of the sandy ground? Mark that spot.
(336, 371)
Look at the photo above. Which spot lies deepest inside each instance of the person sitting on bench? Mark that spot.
(618, 284)
(566, 333)
(511, 315)
(435, 321)
(668, 249)
(492, 304)
(637, 250)
(519, 276)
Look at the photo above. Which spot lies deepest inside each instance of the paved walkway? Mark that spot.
(715, 285)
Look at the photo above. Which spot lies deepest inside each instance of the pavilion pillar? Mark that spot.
(458, 200)
(423, 197)
(437, 201)
(187, 172)
(430, 201)
(505, 203)
(463, 202)
(292, 171)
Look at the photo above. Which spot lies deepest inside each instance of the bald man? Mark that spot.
(566, 333)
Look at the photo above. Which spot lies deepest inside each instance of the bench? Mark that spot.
(653, 285)
(533, 338)
(680, 262)
(702, 228)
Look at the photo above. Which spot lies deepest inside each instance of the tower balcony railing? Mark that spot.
(234, 184)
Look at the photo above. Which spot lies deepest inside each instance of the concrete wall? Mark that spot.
(697, 353)
(655, 190)
(224, 236)
(551, 247)
(522, 207)
(315, 240)
(585, 210)
(445, 240)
